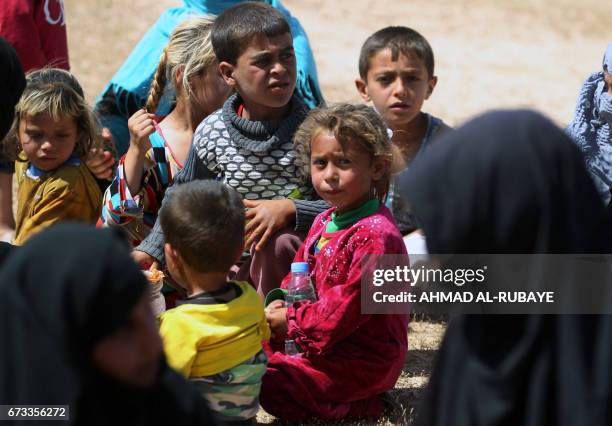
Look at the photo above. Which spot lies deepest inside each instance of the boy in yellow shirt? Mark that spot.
(214, 336)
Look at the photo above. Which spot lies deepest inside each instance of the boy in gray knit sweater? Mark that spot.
(248, 143)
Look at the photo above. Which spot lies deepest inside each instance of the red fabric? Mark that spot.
(349, 358)
(37, 31)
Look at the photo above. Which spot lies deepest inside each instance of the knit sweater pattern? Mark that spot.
(256, 158)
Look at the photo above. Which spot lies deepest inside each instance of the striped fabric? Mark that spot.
(137, 213)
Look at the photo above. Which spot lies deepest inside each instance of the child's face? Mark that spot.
(132, 354)
(209, 92)
(396, 88)
(265, 72)
(344, 177)
(47, 143)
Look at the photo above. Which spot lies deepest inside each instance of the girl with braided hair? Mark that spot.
(159, 145)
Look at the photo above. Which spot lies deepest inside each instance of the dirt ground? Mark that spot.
(489, 54)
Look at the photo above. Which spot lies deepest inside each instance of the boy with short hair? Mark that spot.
(128, 89)
(396, 70)
(214, 336)
(248, 142)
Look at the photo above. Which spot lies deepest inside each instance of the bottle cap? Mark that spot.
(299, 267)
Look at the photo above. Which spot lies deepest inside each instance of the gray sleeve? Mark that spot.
(306, 211)
(194, 169)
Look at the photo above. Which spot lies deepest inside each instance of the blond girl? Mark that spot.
(52, 133)
(159, 145)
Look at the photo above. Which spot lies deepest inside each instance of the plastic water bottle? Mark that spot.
(300, 289)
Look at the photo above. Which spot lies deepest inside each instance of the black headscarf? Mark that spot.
(12, 83)
(506, 182)
(512, 182)
(5, 250)
(60, 293)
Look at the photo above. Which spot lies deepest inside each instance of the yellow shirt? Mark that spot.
(202, 340)
(69, 193)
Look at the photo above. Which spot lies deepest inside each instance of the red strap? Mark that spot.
(240, 110)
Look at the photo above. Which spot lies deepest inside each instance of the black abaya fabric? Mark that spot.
(12, 83)
(5, 250)
(506, 182)
(512, 182)
(60, 293)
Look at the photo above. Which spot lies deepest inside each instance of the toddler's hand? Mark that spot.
(141, 126)
(100, 163)
(107, 135)
(265, 218)
(275, 304)
(145, 260)
(276, 315)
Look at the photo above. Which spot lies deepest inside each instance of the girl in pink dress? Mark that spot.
(348, 358)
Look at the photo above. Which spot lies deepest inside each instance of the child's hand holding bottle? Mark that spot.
(276, 315)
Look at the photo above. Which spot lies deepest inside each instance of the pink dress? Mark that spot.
(349, 358)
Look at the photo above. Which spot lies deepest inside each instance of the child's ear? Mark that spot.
(379, 167)
(362, 88)
(431, 84)
(178, 76)
(173, 259)
(227, 72)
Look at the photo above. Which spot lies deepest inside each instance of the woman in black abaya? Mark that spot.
(12, 83)
(512, 182)
(76, 329)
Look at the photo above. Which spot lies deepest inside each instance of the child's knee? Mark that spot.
(281, 245)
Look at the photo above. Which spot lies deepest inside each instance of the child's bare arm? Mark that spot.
(141, 126)
(153, 244)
